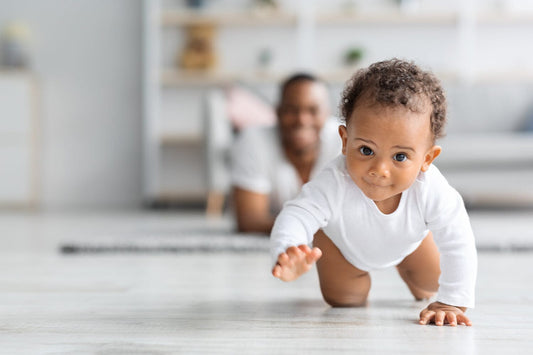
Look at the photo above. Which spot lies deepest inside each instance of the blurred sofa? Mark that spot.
(488, 151)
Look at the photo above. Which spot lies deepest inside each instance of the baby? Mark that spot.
(382, 203)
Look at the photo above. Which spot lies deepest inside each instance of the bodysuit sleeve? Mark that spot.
(447, 218)
(301, 217)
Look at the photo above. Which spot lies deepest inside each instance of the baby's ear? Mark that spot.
(431, 154)
(344, 137)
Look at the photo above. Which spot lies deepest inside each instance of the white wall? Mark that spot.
(87, 57)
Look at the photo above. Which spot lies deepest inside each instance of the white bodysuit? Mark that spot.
(370, 240)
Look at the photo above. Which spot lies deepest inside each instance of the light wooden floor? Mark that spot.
(223, 303)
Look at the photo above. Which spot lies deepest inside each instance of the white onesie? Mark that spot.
(371, 240)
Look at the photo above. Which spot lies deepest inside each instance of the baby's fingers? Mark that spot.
(294, 253)
(426, 316)
(305, 248)
(276, 271)
(439, 317)
(313, 255)
(463, 319)
(451, 319)
(283, 259)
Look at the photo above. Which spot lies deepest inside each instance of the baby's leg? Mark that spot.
(421, 269)
(341, 283)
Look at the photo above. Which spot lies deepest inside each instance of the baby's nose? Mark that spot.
(380, 169)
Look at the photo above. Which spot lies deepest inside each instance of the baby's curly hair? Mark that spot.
(396, 82)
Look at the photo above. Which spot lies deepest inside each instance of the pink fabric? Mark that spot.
(246, 109)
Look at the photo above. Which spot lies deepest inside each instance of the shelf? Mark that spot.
(171, 18)
(499, 18)
(178, 78)
(181, 197)
(174, 139)
(16, 72)
(511, 76)
(387, 18)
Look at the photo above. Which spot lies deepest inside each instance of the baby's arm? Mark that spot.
(297, 223)
(447, 218)
(440, 314)
(295, 262)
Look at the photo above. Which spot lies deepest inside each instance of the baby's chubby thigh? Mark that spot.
(341, 283)
(421, 269)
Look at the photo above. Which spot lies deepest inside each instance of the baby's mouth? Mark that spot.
(373, 184)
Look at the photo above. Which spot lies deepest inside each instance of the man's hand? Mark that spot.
(295, 262)
(440, 314)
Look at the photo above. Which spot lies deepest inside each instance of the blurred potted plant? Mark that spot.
(265, 7)
(353, 56)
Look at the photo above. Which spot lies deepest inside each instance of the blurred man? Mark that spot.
(270, 164)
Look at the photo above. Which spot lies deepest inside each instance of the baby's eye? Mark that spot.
(400, 157)
(366, 151)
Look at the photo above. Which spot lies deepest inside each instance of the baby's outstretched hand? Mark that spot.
(440, 314)
(295, 262)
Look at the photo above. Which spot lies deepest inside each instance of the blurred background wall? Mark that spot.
(86, 57)
(122, 122)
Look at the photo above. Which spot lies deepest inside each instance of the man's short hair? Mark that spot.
(296, 78)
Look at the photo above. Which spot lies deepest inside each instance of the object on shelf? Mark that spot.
(195, 4)
(349, 7)
(408, 6)
(527, 125)
(264, 59)
(265, 7)
(352, 56)
(199, 52)
(14, 46)
(245, 108)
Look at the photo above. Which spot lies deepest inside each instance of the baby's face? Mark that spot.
(386, 148)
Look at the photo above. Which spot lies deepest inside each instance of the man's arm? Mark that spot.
(252, 211)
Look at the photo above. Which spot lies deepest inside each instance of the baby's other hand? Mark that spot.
(440, 314)
(295, 262)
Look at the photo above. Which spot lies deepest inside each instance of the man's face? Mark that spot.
(302, 112)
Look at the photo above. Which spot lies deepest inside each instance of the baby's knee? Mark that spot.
(345, 300)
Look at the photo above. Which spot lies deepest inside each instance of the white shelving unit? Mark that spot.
(167, 82)
(185, 17)
(18, 140)
(171, 92)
